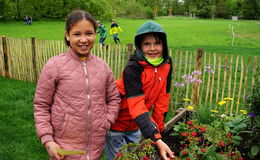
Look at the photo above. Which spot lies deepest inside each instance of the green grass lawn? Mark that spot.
(183, 33)
(17, 132)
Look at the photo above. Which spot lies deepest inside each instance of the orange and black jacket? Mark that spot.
(144, 88)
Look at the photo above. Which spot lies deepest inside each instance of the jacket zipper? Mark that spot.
(89, 113)
(155, 71)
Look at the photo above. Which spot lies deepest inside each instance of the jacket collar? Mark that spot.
(74, 56)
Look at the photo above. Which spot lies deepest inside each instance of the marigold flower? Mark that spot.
(231, 99)
(186, 99)
(190, 107)
(222, 102)
(214, 111)
(243, 111)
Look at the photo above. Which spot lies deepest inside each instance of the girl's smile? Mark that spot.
(82, 37)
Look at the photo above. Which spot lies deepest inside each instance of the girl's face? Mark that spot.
(81, 37)
(151, 47)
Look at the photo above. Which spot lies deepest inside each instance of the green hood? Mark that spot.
(150, 27)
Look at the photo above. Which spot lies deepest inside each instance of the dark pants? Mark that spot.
(116, 39)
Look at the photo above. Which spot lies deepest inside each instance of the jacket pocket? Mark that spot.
(64, 125)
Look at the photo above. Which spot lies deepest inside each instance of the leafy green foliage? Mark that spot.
(203, 114)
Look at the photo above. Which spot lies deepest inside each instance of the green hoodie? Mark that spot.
(151, 27)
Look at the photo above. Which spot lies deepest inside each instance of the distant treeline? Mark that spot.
(107, 9)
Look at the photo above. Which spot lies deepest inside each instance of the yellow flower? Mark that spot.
(186, 99)
(190, 107)
(231, 99)
(214, 111)
(237, 102)
(222, 102)
(243, 111)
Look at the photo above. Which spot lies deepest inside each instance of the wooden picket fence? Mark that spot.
(222, 76)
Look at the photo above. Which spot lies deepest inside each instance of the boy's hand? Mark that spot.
(51, 148)
(164, 150)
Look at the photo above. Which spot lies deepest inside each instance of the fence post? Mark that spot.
(129, 50)
(34, 60)
(7, 74)
(194, 97)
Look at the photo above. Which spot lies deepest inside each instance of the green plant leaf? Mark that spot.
(229, 124)
(254, 150)
(238, 138)
(237, 120)
(236, 142)
(241, 126)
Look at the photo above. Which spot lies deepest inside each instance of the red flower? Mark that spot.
(187, 158)
(185, 152)
(184, 134)
(146, 158)
(203, 129)
(222, 144)
(240, 158)
(203, 150)
(229, 135)
(189, 123)
(199, 139)
(118, 154)
(193, 134)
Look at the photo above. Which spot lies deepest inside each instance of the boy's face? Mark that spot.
(152, 47)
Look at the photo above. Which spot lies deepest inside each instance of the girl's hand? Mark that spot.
(51, 148)
(164, 150)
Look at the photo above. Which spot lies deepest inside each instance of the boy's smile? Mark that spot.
(151, 47)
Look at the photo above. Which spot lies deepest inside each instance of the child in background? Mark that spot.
(115, 29)
(103, 33)
(145, 86)
(76, 99)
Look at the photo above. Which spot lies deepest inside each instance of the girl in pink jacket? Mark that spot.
(76, 99)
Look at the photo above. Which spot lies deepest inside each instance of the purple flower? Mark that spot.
(251, 114)
(178, 84)
(196, 80)
(196, 73)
